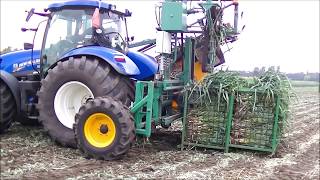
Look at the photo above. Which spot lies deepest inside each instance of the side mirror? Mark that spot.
(127, 13)
(30, 13)
(243, 27)
(27, 46)
(24, 29)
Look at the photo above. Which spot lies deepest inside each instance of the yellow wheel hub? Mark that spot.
(99, 130)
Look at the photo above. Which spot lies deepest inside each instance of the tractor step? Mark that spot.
(171, 88)
(33, 117)
(169, 119)
(172, 117)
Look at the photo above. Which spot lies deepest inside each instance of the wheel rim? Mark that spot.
(68, 100)
(99, 130)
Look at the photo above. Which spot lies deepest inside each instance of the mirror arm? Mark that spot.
(30, 29)
(43, 14)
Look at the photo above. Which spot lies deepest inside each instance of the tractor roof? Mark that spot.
(80, 4)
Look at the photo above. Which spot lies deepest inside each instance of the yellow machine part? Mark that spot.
(93, 133)
(174, 104)
(198, 74)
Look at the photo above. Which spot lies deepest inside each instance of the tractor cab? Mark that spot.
(76, 24)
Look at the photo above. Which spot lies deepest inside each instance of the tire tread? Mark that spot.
(126, 122)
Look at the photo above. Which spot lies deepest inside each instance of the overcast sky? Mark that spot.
(284, 33)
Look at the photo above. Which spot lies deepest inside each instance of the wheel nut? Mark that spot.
(103, 129)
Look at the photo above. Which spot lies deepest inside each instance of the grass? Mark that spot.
(307, 89)
(305, 83)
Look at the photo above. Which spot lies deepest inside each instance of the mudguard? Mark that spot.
(126, 67)
(146, 64)
(13, 85)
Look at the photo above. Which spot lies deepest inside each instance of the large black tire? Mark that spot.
(124, 125)
(7, 107)
(97, 75)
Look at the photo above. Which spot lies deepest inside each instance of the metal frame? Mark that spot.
(141, 102)
(149, 96)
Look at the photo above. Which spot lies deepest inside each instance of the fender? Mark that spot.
(147, 64)
(13, 85)
(125, 67)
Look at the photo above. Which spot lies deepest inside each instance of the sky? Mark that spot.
(278, 33)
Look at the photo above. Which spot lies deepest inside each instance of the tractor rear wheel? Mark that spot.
(104, 129)
(69, 85)
(7, 107)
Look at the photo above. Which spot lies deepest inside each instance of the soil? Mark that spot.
(28, 153)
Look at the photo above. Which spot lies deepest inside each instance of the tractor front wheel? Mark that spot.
(104, 129)
(69, 85)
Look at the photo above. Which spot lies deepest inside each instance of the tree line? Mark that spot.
(8, 49)
(299, 76)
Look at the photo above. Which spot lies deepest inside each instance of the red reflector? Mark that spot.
(120, 59)
(96, 19)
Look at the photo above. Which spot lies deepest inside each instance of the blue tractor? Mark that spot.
(84, 55)
(89, 90)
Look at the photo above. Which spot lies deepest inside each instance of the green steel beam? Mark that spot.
(138, 105)
(142, 101)
(275, 125)
(142, 43)
(187, 60)
(251, 148)
(229, 123)
(156, 106)
(184, 119)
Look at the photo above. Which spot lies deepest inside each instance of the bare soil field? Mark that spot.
(28, 153)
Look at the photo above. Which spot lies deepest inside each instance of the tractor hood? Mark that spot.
(19, 62)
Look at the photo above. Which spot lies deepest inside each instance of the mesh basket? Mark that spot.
(248, 120)
(253, 120)
(206, 124)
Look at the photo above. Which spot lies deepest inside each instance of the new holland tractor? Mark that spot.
(90, 90)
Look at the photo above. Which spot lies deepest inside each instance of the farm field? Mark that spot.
(28, 153)
(305, 83)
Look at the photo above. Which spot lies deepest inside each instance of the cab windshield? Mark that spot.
(69, 29)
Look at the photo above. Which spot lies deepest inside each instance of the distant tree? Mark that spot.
(256, 71)
(313, 76)
(272, 68)
(296, 76)
(262, 70)
(307, 77)
(245, 73)
(8, 49)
